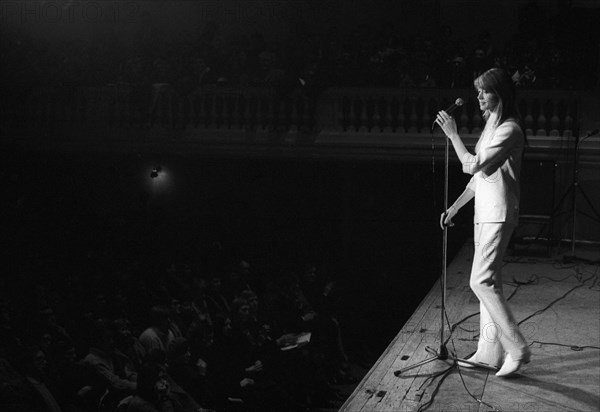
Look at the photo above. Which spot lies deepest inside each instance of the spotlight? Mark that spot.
(154, 172)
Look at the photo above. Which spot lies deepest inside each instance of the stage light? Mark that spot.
(154, 173)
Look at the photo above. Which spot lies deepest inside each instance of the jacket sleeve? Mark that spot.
(505, 137)
(471, 185)
(114, 381)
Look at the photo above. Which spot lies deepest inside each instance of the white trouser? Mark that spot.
(499, 333)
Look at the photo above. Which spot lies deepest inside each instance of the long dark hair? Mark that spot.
(498, 82)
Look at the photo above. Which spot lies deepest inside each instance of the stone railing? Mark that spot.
(545, 113)
(403, 118)
(376, 121)
(125, 105)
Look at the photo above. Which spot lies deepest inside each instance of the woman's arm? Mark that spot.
(505, 139)
(463, 199)
(448, 125)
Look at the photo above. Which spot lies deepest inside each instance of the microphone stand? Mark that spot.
(442, 353)
(575, 187)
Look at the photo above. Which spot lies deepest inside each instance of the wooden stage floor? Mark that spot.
(558, 307)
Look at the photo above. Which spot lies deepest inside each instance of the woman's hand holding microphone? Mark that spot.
(447, 124)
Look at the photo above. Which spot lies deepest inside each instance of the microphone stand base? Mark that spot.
(441, 354)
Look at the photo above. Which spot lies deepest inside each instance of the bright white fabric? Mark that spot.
(499, 332)
(496, 166)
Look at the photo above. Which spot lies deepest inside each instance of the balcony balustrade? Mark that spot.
(378, 121)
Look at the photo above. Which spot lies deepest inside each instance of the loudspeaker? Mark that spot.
(538, 186)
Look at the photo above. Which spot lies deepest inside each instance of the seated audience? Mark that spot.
(126, 344)
(69, 379)
(113, 374)
(159, 334)
(153, 393)
(36, 390)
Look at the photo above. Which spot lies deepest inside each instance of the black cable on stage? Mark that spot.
(575, 348)
(480, 401)
(583, 282)
(533, 280)
(457, 324)
(555, 300)
(445, 373)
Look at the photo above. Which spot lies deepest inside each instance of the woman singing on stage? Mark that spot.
(495, 167)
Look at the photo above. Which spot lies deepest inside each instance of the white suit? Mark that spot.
(495, 167)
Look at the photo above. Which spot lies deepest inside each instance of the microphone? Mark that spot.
(457, 103)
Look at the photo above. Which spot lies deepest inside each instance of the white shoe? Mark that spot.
(511, 366)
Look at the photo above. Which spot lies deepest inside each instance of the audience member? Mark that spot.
(113, 374)
(69, 379)
(191, 376)
(37, 392)
(216, 301)
(159, 334)
(127, 344)
(153, 393)
(51, 332)
(180, 397)
(240, 278)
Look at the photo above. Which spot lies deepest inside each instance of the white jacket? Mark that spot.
(496, 167)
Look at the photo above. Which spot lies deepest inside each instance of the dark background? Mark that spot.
(370, 224)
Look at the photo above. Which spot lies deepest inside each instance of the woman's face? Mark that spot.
(487, 100)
